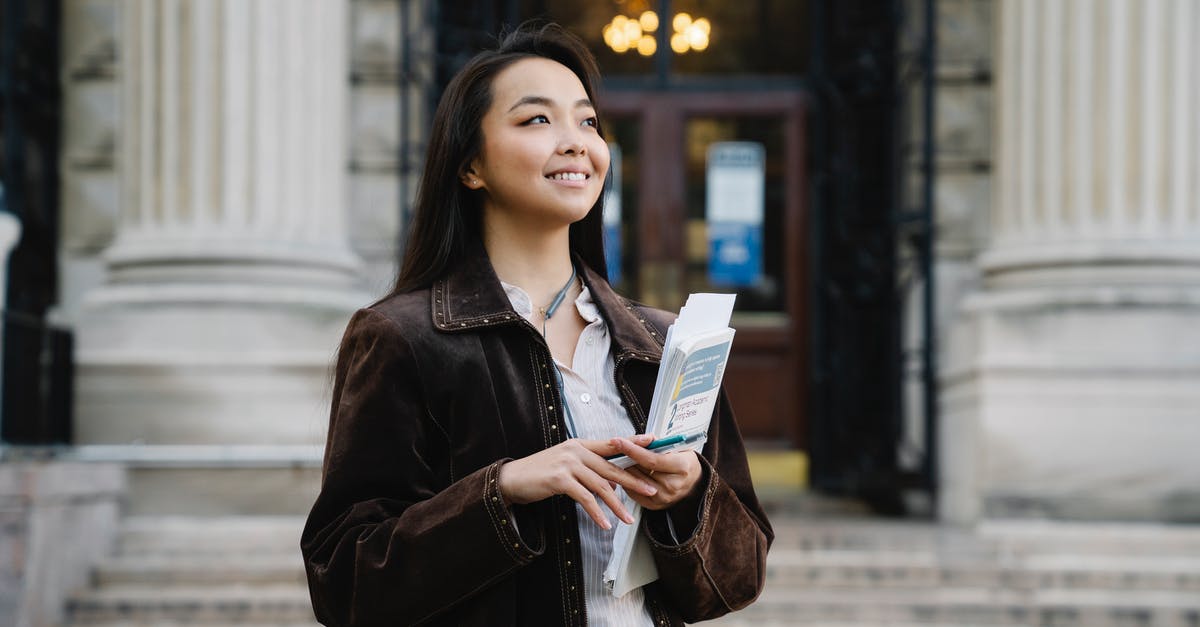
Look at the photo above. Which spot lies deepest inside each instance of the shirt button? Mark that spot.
(590, 341)
(585, 397)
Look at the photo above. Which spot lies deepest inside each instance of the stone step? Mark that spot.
(174, 623)
(791, 533)
(203, 570)
(922, 570)
(970, 606)
(227, 535)
(175, 571)
(158, 605)
(991, 538)
(747, 618)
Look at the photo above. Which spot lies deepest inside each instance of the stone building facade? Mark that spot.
(1038, 120)
(259, 205)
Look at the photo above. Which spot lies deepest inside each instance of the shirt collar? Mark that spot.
(523, 305)
(470, 296)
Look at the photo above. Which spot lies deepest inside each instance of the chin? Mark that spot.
(579, 215)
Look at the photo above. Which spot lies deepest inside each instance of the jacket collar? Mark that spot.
(470, 296)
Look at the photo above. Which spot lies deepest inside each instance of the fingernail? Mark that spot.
(605, 524)
(649, 490)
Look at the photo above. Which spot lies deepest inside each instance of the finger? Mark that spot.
(621, 476)
(675, 462)
(586, 499)
(655, 502)
(648, 460)
(643, 475)
(608, 448)
(599, 486)
(603, 448)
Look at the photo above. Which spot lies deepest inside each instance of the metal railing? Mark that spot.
(39, 374)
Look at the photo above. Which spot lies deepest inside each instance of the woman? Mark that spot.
(457, 488)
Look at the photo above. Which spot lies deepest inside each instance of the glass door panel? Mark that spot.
(624, 135)
(761, 300)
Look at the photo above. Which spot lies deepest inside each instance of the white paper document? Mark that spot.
(685, 394)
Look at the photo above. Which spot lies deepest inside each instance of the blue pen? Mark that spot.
(668, 441)
(665, 442)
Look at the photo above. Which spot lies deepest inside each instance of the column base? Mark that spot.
(1077, 403)
(207, 363)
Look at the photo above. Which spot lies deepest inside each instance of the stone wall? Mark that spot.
(962, 203)
(56, 520)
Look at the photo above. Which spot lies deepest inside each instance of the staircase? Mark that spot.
(200, 572)
(859, 572)
(825, 572)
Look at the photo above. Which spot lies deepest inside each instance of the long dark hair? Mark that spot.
(446, 215)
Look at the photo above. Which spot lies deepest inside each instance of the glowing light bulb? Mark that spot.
(649, 21)
(647, 45)
(681, 22)
(633, 31)
(620, 43)
(704, 25)
(679, 43)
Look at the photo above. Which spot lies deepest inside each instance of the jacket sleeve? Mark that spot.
(721, 566)
(391, 540)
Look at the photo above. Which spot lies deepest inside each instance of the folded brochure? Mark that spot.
(685, 394)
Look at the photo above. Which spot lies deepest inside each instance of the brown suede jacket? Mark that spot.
(434, 390)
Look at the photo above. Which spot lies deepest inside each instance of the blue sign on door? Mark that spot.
(734, 212)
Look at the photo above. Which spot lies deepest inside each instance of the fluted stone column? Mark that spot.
(1073, 383)
(230, 277)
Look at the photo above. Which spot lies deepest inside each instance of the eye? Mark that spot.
(537, 119)
(592, 122)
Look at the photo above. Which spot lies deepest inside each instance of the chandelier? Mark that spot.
(624, 33)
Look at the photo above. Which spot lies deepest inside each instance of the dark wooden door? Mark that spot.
(662, 139)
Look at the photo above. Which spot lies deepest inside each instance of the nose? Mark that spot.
(571, 143)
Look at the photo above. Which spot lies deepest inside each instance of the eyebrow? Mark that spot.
(546, 102)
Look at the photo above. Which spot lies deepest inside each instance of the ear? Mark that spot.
(470, 177)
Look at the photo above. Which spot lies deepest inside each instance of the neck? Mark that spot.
(537, 262)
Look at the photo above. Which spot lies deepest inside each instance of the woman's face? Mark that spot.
(542, 162)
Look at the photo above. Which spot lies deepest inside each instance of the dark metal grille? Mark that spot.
(37, 358)
(871, 246)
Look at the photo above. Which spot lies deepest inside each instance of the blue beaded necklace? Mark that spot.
(546, 314)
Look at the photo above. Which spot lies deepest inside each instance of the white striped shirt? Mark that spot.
(595, 407)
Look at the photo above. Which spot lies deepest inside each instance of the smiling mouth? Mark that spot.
(568, 176)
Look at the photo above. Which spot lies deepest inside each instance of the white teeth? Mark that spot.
(568, 176)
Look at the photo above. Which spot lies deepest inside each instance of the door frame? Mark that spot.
(661, 209)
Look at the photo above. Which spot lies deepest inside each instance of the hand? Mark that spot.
(676, 475)
(576, 468)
